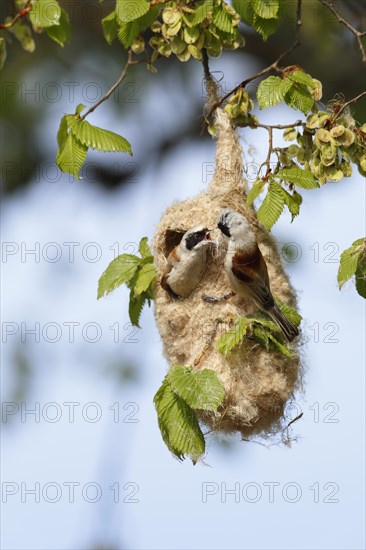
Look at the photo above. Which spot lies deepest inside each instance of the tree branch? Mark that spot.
(115, 85)
(347, 24)
(27, 8)
(350, 102)
(273, 67)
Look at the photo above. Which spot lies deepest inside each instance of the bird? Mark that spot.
(187, 262)
(247, 270)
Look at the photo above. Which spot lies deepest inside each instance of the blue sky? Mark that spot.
(317, 500)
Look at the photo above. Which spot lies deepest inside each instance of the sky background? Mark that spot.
(128, 492)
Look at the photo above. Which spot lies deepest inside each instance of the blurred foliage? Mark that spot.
(25, 115)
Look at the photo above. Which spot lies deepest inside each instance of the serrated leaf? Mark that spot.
(265, 27)
(290, 312)
(129, 31)
(45, 13)
(232, 337)
(361, 275)
(292, 204)
(222, 20)
(144, 248)
(130, 10)
(110, 27)
(301, 78)
(119, 271)
(60, 33)
(267, 9)
(272, 205)
(200, 390)
(283, 348)
(299, 177)
(146, 277)
(178, 424)
(348, 262)
(272, 91)
(255, 191)
(299, 97)
(62, 132)
(245, 10)
(135, 307)
(71, 155)
(203, 12)
(98, 138)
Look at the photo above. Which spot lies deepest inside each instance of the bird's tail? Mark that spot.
(288, 328)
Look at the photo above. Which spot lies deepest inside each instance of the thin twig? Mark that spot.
(27, 8)
(278, 126)
(273, 67)
(270, 128)
(115, 85)
(350, 102)
(270, 149)
(343, 21)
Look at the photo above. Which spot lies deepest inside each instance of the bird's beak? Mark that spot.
(207, 235)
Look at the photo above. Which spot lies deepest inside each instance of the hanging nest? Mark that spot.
(257, 383)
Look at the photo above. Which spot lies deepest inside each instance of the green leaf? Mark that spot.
(245, 10)
(200, 390)
(71, 155)
(299, 97)
(203, 12)
(135, 307)
(62, 132)
(221, 19)
(272, 206)
(45, 13)
(265, 27)
(178, 424)
(233, 337)
(97, 138)
(272, 91)
(292, 204)
(283, 348)
(299, 177)
(129, 31)
(146, 277)
(348, 262)
(267, 9)
(144, 248)
(119, 271)
(130, 10)
(301, 78)
(80, 108)
(361, 275)
(255, 191)
(110, 27)
(290, 312)
(60, 33)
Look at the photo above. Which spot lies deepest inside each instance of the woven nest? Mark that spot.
(257, 383)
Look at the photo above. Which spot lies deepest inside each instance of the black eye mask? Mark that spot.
(224, 229)
(195, 238)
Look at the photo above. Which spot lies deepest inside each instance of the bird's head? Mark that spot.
(196, 238)
(232, 224)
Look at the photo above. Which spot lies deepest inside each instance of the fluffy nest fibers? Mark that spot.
(257, 383)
